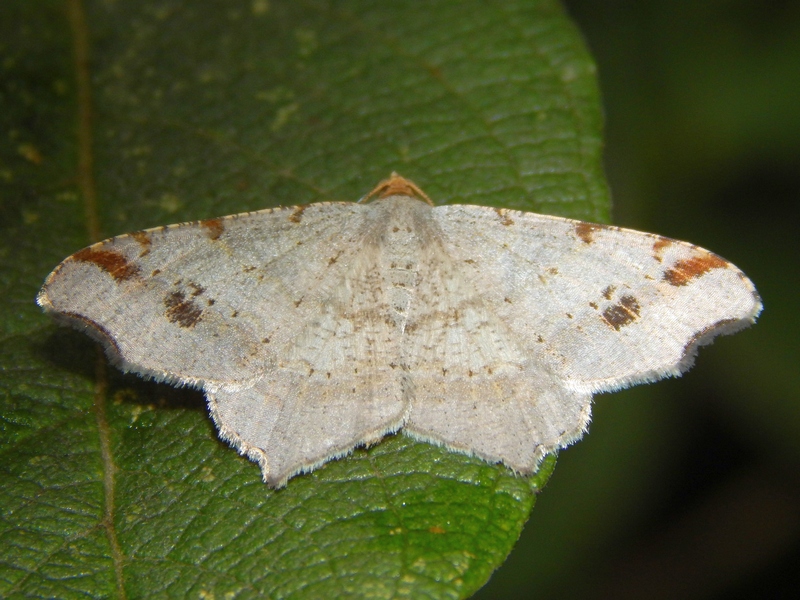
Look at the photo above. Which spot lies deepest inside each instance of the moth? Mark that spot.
(313, 329)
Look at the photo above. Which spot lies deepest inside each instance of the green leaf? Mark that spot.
(116, 487)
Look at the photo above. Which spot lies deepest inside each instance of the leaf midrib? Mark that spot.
(86, 183)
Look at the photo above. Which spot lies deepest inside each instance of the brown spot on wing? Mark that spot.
(683, 271)
(144, 240)
(214, 228)
(503, 213)
(297, 214)
(586, 231)
(623, 313)
(659, 246)
(608, 292)
(113, 263)
(181, 311)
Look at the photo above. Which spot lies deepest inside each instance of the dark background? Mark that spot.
(689, 488)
